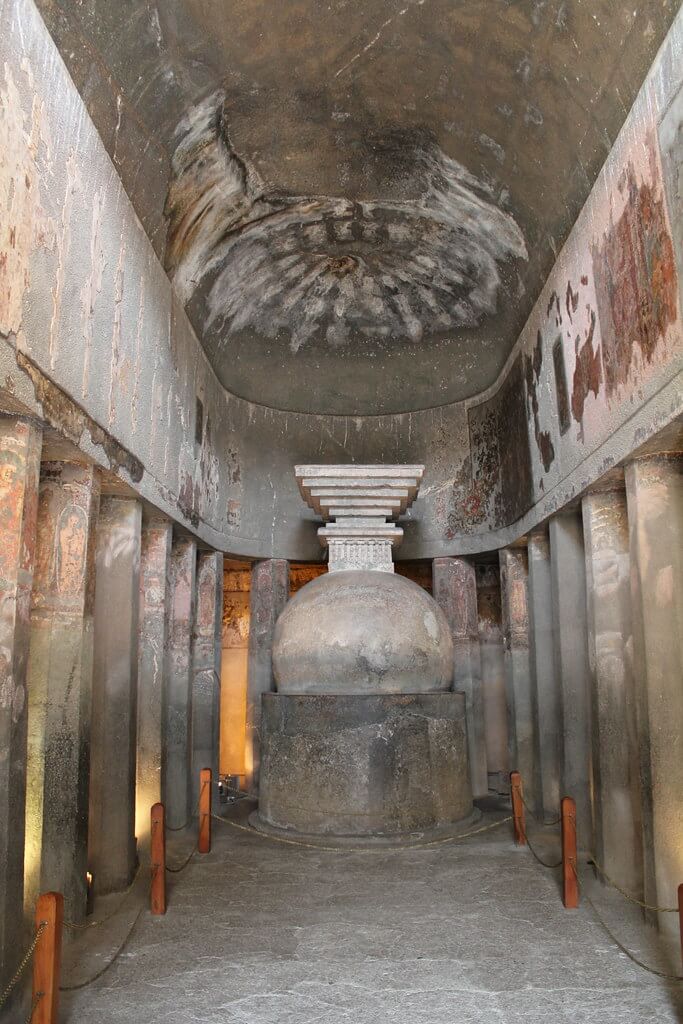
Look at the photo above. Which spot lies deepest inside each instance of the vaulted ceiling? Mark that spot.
(358, 202)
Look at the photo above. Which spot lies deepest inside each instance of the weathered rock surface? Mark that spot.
(359, 632)
(364, 765)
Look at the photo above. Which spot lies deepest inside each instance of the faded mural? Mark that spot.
(604, 336)
(609, 319)
(95, 342)
(302, 267)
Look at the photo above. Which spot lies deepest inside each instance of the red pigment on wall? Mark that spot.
(635, 277)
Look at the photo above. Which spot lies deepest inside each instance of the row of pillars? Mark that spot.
(592, 628)
(592, 609)
(109, 680)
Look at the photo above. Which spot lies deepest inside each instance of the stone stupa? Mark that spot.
(364, 737)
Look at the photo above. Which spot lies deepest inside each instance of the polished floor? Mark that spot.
(259, 932)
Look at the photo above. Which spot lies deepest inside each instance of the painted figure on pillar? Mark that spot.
(206, 603)
(70, 550)
(10, 694)
(10, 464)
(11, 508)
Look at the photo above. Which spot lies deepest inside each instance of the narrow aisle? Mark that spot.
(267, 933)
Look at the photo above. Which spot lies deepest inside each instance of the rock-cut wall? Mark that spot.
(94, 342)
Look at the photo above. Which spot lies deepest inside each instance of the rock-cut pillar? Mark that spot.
(269, 595)
(616, 786)
(112, 851)
(60, 685)
(20, 445)
(547, 698)
(206, 667)
(455, 591)
(155, 554)
(178, 713)
(570, 638)
(654, 490)
(493, 677)
(518, 670)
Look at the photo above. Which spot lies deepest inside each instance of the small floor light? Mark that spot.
(90, 894)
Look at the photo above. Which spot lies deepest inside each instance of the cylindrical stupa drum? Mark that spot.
(363, 738)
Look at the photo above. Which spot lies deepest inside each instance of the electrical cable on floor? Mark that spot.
(350, 849)
(117, 954)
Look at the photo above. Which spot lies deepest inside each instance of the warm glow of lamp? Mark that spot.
(32, 857)
(90, 895)
(144, 798)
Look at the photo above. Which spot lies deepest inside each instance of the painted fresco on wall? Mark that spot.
(671, 148)
(605, 329)
(500, 449)
(635, 277)
(59, 358)
(608, 324)
(12, 466)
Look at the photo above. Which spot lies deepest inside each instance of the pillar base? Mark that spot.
(375, 766)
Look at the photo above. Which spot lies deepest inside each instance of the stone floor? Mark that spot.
(258, 932)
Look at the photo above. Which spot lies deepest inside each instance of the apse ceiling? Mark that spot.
(358, 201)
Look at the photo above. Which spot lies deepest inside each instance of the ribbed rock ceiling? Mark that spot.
(358, 203)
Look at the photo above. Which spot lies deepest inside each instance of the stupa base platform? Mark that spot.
(390, 766)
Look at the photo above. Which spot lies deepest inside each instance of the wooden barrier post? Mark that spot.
(570, 864)
(680, 914)
(158, 856)
(204, 843)
(517, 808)
(47, 958)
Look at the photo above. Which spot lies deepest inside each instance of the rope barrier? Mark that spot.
(75, 927)
(540, 860)
(25, 961)
(627, 952)
(117, 954)
(628, 896)
(181, 867)
(349, 849)
(617, 943)
(191, 816)
(543, 824)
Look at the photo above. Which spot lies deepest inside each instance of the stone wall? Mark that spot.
(93, 342)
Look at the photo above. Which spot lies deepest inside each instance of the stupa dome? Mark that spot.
(362, 632)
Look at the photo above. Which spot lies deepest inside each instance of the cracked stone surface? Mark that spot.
(258, 932)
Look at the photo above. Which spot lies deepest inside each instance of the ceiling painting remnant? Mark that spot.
(299, 271)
